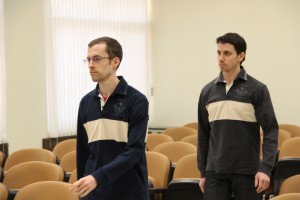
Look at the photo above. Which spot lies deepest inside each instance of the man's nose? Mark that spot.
(221, 57)
(91, 64)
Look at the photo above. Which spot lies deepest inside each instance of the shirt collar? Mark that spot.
(120, 89)
(242, 75)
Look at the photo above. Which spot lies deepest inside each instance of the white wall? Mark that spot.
(25, 73)
(185, 59)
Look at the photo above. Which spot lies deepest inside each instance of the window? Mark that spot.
(3, 135)
(70, 26)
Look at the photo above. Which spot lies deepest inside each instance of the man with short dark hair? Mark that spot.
(231, 110)
(111, 131)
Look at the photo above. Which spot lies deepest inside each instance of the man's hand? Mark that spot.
(84, 186)
(201, 184)
(262, 181)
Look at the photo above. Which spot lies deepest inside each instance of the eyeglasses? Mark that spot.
(95, 59)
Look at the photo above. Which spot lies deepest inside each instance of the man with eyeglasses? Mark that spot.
(111, 131)
(231, 110)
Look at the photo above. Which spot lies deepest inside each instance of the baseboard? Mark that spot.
(49, 143)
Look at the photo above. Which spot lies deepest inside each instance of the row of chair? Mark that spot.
(177, 133)
(291, 128)
(190, 135)
(288, 160)
(177, 139)
(288, 163)
(179, 188)
(27, 166)
(49, 190)
(55, 156)
(183, 181)
(288, 152)
(29, 172)
(64, 147)
(172, 164)
(26, 173)
(155, 139)
(172, 168)
(68, 161)
(175, 150)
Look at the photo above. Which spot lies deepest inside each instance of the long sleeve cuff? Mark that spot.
(265, 169)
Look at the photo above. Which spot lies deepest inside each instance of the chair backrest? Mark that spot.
(46, 190)
(25, 173)
(175, 150)
(193, 125)
(73, 177)
(187, 189)
(186, 167)
(30, 154)
(4, 192)
(290, 148)
(283, 135)
(293, 129)
(154, 139)
(290, 185)
(64, 147)
(179, 132)
(1, 159)
(192, 139)
(289, 196)
(68, 162)
(159, 167)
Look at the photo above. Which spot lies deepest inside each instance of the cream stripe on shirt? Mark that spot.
(231, 110)
(107, 129)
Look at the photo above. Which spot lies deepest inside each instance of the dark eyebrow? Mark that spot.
(94, 57)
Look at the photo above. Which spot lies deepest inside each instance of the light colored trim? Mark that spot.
(231, 110)
(228, 86)
(146, 137)
(107, 129)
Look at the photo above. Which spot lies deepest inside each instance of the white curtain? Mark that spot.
(3, 136)
(70, 26)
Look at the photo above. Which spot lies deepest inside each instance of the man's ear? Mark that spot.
(241, 56)
(116, 62)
